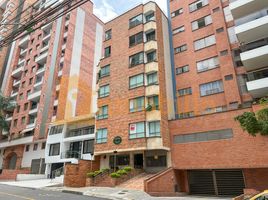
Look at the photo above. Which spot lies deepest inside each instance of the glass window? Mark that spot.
(54, 149)
(101, 136)
(108, 34)
(198, 5)
(177, 12)
(150, 36)
(136, 81)
(88, 147)
(135, 21)
(104, 91)
(178, 30)
(202, 22)
(35, 147)
(151, 57)
(136, 104)
(180, 49)
(105, 71)
(227, 14)
(136, 59)
(152, 78)
(149, 17)
(181, 70)
(204, 42)
(154, 129)
(156, 161)
(103, 112)
(136, 39)
(153, 102)
(186, 115)
(137, 130)
(211, 88)
(208, 64)
(232, 36)
(185, 91)
(107, 52)
(56, 130)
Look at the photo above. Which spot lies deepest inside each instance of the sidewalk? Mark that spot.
(123, 194)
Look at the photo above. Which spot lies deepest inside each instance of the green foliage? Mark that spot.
(255, 123)
(90, 174)
(128, 169)
(96, 173)
(6, 104)
(122, 172)
(115, 175)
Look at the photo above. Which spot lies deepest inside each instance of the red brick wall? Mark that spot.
(75, 175)
(12, 174)
(162, 184)
(18, 150)
(242, 151)
(256, 179)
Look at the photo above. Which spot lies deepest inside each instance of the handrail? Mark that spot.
(57, 172)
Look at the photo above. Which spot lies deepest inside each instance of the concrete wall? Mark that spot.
(31, 155)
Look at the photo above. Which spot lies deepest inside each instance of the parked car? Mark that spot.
(261, 196)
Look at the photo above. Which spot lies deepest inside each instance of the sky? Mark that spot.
(109, 9)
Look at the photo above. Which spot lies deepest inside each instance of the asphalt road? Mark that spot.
(18, 193)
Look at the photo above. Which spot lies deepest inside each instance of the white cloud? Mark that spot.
(105, 11)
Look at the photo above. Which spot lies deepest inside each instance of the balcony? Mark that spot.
(23, 52)
(4, 133)
(17, 141)
(14, 93)
(31, 124)
(242, 8)
(46, 37)
(24, 41)
(154, 115)
(16, 83)
(34, 110)
(80, 132)
(258, 83)
(21, 62)
(70, 154)
(151, 45)
(41, 59)
(252, 30)
(60, 73)
(151, 67)
(17, 72)
(38, 83)
(41, 71)
(255, 58)
(152, 90)
(151, 25)
(34, 96)
(9, 118)
(47, 27)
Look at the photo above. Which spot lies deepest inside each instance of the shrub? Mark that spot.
(90, 174)
(122, 172)
(128, 169)
(115, 175)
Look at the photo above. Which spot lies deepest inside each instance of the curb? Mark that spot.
(72, 192)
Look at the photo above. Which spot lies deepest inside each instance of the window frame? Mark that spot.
(137, 133)
(136, 108)
(105, 94)
(102, 139)
(137, 84)
(51, 150)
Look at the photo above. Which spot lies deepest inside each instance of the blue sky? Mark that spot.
(109, 9)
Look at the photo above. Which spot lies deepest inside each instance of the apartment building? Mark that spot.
(220, 56)
(51, 79)
(135, 94)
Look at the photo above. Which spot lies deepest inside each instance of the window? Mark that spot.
(216, 9)
(108, 34)
(54, 149)
(135, 21)
(208, 64)
(186, 115)
(180, 49)
(227, 14)
(35, 147)
(262, 197)
(23, 120)
(186, 91)
(136, 59)
(136, 39)
(204, 42)
(204, 136)
(27, 148)
(26, 106)
(137, 130)
(154, 129)
(101, 136)
(150, 36)
(121, 160)
(56, 130)
(153, 102)
(151, 57)
(178, 30)
(198, 5)
(202, 22)
(220, 30)
(43, 145)
(224, 53)
(211, 88)
(107, 52)
(228, 77)
(136, 81)
(237, 58)
(15, 122)
(181, 70)
(104, 91)
(242, 82)
(103, 112)
(149, 17)
(152, 79)
(136, 104)
(88, 147)
(156, 161)
(177, 12)
(232, 36)
(104, 71)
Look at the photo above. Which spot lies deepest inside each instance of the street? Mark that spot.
(19, 193)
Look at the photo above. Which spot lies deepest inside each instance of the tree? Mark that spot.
(6, 105)
(255, 123)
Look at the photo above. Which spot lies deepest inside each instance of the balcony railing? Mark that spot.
(258, 75)
(254, 45)
(80, 132)
(71, 154)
